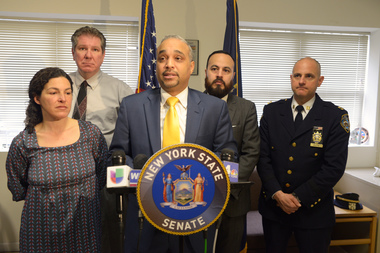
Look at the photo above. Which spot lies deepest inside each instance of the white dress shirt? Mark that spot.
(306, 108)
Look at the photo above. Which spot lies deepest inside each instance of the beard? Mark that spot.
(218, 91)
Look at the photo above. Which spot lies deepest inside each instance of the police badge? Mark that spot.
(317, 137)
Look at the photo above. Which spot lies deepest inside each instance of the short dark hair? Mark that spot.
(219, 52)
(88, 31)
(37, 84)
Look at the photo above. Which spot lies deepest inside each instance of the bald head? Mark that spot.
(318, 66)
(305, 79)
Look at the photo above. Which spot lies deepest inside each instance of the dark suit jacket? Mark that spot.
(246, 133)
(137, 131)
(289, 163)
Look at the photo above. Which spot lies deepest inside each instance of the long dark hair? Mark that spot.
(37, 84)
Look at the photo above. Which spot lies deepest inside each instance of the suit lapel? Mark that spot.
(152, 117)
(231, 102)
(194, 117)
(286, 116)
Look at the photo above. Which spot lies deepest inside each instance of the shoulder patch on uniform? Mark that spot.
(345, 122)
(341, 108)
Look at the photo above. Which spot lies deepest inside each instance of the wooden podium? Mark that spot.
(364, 215)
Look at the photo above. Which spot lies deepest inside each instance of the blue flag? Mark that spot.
(147, 72)
(231, 42)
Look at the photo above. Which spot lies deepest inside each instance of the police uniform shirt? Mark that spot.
(306, 108)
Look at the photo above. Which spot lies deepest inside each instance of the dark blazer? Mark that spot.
(246, 133)
(137, 131)
(289, 161)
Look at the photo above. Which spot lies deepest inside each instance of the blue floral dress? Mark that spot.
(60, 186)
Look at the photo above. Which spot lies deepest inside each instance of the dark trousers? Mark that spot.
(277, 236)
(230, 234)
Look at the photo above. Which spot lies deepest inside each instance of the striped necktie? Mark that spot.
(81, 103)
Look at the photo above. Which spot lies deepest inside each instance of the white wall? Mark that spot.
(203, 20)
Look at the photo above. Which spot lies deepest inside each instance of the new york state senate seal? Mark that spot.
(183, 189)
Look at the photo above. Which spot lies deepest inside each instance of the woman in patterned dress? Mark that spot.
(58, 166)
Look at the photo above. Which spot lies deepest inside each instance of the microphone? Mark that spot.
(118, 158)
(227, 156)
(138, 164)
(117, 182)
(117, 174)
(139, 161)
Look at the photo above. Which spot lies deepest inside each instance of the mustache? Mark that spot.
(170, 71)
(219, 79)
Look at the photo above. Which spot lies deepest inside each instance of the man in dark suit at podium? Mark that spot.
(304, 145)
(140, 129)
(219, 83)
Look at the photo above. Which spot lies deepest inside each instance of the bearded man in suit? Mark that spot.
(219, 83)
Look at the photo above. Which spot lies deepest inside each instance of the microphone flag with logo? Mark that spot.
(228, 157)
(117, 174)
(147, 72)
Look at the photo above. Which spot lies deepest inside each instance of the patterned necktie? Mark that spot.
(171, 124)
(81, 103)
(299, 119)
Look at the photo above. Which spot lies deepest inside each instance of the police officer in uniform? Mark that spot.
(304, 145)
